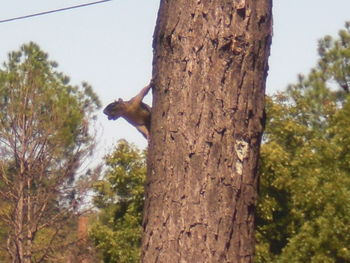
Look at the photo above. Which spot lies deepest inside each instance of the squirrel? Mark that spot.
(134, 111)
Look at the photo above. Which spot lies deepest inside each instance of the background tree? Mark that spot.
(120, 198)
(44, 136)
(209, 68)
(3, 230)
(304, 210)
(334, 60)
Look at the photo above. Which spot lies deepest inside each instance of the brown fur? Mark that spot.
(134, 111)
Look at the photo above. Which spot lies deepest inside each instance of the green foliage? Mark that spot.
(120, 197)
(335, 58)
(30, 88)
(304, 210)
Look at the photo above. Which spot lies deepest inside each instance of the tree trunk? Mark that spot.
(18, 249)
(210, 67)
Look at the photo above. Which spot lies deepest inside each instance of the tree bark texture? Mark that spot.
(209, 69)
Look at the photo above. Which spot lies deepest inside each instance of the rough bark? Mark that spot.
(210, 67)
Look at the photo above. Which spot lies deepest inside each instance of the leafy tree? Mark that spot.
(44, 137)
(304, 211)
(120, 197)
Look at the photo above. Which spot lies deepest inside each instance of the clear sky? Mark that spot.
(110, 45)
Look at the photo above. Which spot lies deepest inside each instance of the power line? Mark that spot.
(52, 11)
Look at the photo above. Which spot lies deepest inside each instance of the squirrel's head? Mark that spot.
(114, 110)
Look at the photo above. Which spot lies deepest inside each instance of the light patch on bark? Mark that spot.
(241, 148)
(240, 4)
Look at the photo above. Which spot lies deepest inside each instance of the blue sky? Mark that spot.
(110, 45)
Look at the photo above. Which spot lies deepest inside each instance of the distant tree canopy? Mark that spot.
(304, 211)
(120, 197)
(44, 137)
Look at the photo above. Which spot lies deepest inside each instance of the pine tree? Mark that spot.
(210, 67)
(44, 137)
